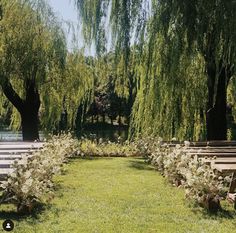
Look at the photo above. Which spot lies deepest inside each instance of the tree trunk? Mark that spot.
(119, 120)
(103, 118)
(79, 120)
(63, 121)
(29, 113)
(27, 108)
(29, 123)
(132, 95)
(216, 114)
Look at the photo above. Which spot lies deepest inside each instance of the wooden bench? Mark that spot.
(221, 155)
(10, 151)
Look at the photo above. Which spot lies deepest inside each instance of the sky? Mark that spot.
(66, 10)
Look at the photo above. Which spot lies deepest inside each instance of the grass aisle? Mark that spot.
(118, 195)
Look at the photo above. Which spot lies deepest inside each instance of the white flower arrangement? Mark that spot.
(31, 181)
(201, 182)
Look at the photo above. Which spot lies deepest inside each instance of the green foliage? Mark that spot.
(175, 43)
(88, 148)
(231, 96)
(121, 17)
(68, 89)
(31, 181)
(32, 42)
(172, 104)
(32, 49)
(229, 135)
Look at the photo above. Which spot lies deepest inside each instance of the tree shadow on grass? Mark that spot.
(221, 214)
(140, 164)
(88, 158)
(138, 158)
(225, 214)
(14, 215)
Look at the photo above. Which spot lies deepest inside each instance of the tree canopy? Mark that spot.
(184, 61)
(31, 43)
(38, 76)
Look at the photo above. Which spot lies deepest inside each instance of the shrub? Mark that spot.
(31, 181)
(157, 157)
(146, 146)
(139, 147)
(106, 149)
(204, 185)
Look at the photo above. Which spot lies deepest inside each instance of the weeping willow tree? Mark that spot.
(185, 57)
(113, 23)
(42, 83)
(68, 90)
(31, 44)
(110, 73)
(207, 28)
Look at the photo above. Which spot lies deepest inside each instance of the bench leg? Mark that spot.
(232, 186)
(231, 194)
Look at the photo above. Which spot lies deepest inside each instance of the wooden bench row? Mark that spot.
(223, 159)
(221, 156)
(10, 151)
(204, 143)
(223, 151)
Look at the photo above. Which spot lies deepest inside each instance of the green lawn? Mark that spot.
(118, 195)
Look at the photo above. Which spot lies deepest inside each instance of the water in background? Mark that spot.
(112, 134)
(14, 136)
(107, 132)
